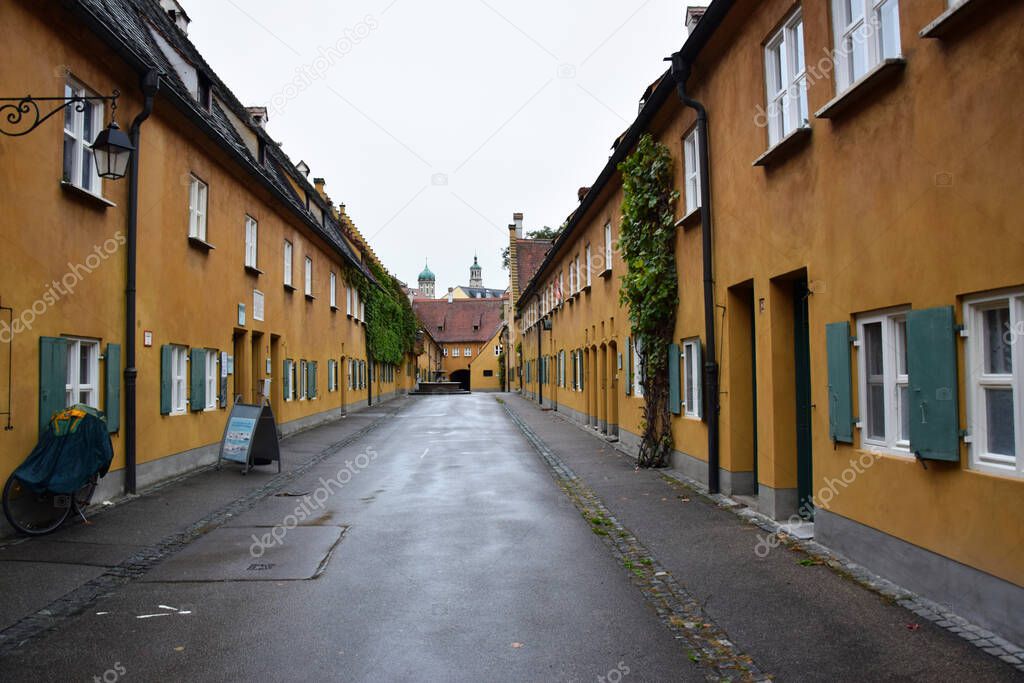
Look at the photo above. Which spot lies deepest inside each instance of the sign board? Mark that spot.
(250, 437)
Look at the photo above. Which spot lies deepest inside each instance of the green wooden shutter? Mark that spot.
(312, 367)
(197, 380)
(112, 400)
(286, 375)
(165, 379)
(674, 402)
(840, 384)
(222, 399)
(932, 375)
(627, 366)
(53, 378)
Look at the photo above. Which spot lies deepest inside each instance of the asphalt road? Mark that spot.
(437, 548)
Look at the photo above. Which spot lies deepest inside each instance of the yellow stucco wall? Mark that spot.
(487, 360)
(891, 205)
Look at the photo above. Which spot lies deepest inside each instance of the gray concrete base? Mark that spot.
(776, 503)
(691, 467)
(575, 415)
(630, 442)
(987, 600)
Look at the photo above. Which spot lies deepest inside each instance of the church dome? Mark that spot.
(426, 274)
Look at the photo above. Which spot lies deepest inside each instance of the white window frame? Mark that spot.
(607, 246)
(179, 379)
(348, 301)
(288, 249)
(786, 80)
(691, 171)
(978, 380)
(691, 378)
(77, 141)
(467, 352)
(578, 287)
(259, 305)
(866, 31)
(301, 379)
(455, 352)
(334, 290)
(893, 378)
(74, 387)
(444, 352)
(212, 380)
(589, 264)
(198, 196)
(251, 242)
(308, 276)
(572, 278)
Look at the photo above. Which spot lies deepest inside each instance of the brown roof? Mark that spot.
(462, 320)
(529, 256)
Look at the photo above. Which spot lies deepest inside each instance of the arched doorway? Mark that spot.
(462, 377)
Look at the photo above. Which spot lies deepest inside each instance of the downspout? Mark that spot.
(149, 86)
(681, 73)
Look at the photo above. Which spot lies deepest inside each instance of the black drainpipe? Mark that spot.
(681, 72)
(150, 85)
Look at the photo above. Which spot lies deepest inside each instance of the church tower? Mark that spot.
(426, 283)
(476, 278)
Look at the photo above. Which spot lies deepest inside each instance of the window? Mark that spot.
(287, 263)
(866, 32)
(588, 264)
(258, 305)
(995, 380)
(607, 246)
(691, 171)
(309, 276)
(576, 269)
(334, 290)
(80, 128)
(250, 241)
(455, 352)
(786, 80)
(638, 372)
(445, 351)
(348, 301)
(882, 369)
(467, 352)
(212, 380)
(691, 377)
(197, 192)
(179, 379)
(497, 349)
(289, 380)
(572, 278)
(303, 374)
(83, 373)
(488, 373)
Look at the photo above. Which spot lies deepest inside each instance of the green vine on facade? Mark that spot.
(390, 323)
(647, 241)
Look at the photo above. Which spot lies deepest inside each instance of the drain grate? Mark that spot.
(260, 566)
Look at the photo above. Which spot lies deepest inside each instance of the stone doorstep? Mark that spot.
(801, 536)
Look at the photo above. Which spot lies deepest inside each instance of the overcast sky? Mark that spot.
(434, 122)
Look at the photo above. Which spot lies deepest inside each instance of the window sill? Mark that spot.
(201, 245)
(784, 147)
(859, 89)
(689, 220)
(289, 288)
(253, 270)
(334, 309)
(947, 23)
(310, 297)
(86, 196)
(607, 272)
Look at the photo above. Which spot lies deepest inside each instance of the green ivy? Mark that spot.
(647, 242)
(390, 323)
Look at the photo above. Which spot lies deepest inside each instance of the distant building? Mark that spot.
(426, 283)
(465, 329)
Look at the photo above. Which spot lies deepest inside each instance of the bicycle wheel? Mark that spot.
(31, 513)
(83, 497)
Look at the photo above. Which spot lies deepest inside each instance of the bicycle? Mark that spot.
(60, 476)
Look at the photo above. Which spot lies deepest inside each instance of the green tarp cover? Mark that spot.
(74, 446)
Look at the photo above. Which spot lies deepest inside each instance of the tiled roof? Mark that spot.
(133, 23)
(483, 292)
(529, 255)
(462, 320)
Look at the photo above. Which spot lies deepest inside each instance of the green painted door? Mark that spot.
(802, 370)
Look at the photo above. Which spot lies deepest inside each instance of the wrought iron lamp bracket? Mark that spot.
(22, 115)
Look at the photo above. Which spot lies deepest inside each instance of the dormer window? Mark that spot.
(204, 91)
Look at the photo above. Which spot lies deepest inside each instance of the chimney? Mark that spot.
(451, 294)
(582, 192)
(517, 218)
(319, 183)
(693, 15)
(259, 115)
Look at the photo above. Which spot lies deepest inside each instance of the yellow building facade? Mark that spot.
(866, 286)
(243, 268)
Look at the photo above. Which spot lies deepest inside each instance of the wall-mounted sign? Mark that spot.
(241, 314)
(231, 365)
(147, 338)
(223, 363)
(269, 368)
(257, 304)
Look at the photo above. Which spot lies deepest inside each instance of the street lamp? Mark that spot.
(112, 149)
